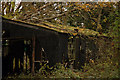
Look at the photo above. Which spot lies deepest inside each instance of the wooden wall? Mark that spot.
(51, 44)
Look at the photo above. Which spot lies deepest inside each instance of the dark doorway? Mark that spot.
(15, 54)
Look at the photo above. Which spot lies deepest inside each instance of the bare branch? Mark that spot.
(4, 5)
(18, 7)
(83, 16)
(60, 15)
(40, 8)
(13, 6)
(45, 6)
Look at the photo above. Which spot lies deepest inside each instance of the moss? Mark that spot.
(61, 28)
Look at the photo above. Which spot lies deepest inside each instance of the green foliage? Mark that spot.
(101, 69)
(42, 69)
(114, 30)
(61, 72)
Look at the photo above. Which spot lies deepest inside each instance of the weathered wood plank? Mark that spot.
(33, 55)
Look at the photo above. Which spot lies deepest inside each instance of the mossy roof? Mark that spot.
(62, 28)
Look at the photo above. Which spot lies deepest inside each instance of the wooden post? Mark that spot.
(26, 61)
(33, 55)
(77, 52)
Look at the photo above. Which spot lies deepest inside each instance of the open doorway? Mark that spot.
(16, 56)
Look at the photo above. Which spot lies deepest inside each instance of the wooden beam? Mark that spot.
(33, 55)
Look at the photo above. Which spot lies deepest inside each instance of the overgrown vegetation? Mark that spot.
(106, 65)
(100, 69)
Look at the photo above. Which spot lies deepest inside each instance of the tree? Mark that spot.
(93, 15)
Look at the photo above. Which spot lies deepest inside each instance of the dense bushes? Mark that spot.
(98, 69)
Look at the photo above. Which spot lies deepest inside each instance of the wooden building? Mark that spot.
(40, 43)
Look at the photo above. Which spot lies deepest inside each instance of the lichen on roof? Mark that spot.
(62, 28)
